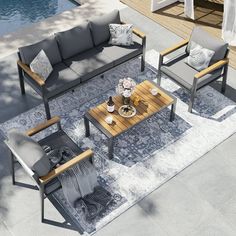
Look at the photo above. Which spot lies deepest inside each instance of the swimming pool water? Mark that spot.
(15, 14)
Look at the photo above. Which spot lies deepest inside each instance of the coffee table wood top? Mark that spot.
(148, 106)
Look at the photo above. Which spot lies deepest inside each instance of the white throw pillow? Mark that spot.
(121, 34)
(41, 65)
(199, 57)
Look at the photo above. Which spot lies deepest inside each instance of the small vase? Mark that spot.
(126, 100)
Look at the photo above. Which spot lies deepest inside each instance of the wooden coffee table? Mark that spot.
(149, 106)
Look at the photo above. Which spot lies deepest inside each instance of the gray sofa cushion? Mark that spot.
(61, 79)
(119, 54)
(208, 41)
(50, 47)
(30, 152)
(183, 74)
(75, 40)
(89, 63)
(100, 26)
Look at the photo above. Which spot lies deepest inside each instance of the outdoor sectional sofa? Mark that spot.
(77, 55)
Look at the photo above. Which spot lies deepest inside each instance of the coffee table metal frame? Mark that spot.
(89, 118)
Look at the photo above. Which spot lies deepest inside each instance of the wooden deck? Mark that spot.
(208, 14)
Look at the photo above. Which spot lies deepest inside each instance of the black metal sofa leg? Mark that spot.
(142, 63)
(47, 109)
(159, 70)
(13, 168)
(21, 79)
(224, 80)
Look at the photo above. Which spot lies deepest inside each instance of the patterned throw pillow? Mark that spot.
(199, 57)
(41, 65)
(121, 34)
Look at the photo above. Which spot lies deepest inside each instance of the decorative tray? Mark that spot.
(127, 111)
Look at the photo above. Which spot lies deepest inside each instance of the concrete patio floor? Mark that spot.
(200, 200)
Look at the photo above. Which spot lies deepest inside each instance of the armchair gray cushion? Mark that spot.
(50, 47)
(184, 74)
(30, 152)
(89, 64)
(208, 41)
(75, 40)
(119, 54)
(100, 26)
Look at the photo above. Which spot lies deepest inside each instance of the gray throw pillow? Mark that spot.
(121, 34)
(30, 152)
(41, 65)
(199, 58)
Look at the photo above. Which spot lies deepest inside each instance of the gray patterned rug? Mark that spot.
(147, 155)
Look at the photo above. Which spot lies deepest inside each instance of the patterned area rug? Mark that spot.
(147, 155)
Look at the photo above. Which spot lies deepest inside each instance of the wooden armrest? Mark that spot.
(43, 126)
(54, 173)
(139, 33)
(174, 48)
(211, 68)
(32, 75)
(136, 31)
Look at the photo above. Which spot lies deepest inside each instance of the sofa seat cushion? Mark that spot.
(61, 79)
(89, 64)
(100, 26)
(50, 47)
(120, 54)
(179, 71)
(75, 40)
(30, 152)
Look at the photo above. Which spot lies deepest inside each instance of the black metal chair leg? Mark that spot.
(47, 109)
(41, 190)
(193, 94)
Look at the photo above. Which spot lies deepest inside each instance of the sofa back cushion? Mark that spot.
(75, 40)
(50, 47)
(100, 26)
(210, 42)
(30, 152)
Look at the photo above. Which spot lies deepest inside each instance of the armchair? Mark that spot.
(189, 78)
(47, 183)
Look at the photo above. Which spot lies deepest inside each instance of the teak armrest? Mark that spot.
(43, 126)
(211, 68)
(137, 32)
(174, 48)
(33, 75)
(54, 173)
